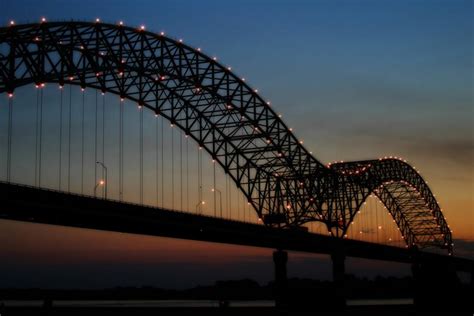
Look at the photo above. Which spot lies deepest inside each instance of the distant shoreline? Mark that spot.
(244, 289)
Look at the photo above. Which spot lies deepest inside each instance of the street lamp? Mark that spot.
(102, 182)
(199, 204)
(220, 199)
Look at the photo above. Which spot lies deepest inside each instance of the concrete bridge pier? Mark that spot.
(280, 258)
(471, 292)
(417, 284)
(437, 287)
(338, 259)
(472, 277)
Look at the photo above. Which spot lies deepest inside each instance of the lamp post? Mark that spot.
(199, 204)
(220, 199)
(103, 182)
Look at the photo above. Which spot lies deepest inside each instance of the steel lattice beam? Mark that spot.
(285, 184)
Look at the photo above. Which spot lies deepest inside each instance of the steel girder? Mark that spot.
(284, 183)
(405, 195)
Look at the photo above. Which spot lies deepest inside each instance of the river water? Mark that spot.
(185, 303)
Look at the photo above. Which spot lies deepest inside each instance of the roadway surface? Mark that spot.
(31, 204)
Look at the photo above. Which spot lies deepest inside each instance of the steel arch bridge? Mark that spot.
(285, 184)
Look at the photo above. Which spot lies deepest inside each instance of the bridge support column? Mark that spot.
(280, 258)
(471, 290)
(417, 284)
(472, 277)
(338, 277)
(437, 287)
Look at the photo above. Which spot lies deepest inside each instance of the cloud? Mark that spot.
(459, 151)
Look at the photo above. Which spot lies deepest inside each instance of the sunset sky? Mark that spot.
(355, 79)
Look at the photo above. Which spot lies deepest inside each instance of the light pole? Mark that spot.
(220, 199)
(199, 204)
(103, 182)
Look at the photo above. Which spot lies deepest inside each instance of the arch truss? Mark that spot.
(284, 183)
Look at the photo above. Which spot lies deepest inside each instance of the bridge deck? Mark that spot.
(24, 203)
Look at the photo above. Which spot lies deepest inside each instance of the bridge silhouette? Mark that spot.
(274, 174)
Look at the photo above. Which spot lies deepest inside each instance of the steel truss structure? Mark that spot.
(285, 184)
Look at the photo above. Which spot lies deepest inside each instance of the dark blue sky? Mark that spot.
(355, 79)
(392, 66)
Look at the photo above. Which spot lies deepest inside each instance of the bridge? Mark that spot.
(73, 157)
